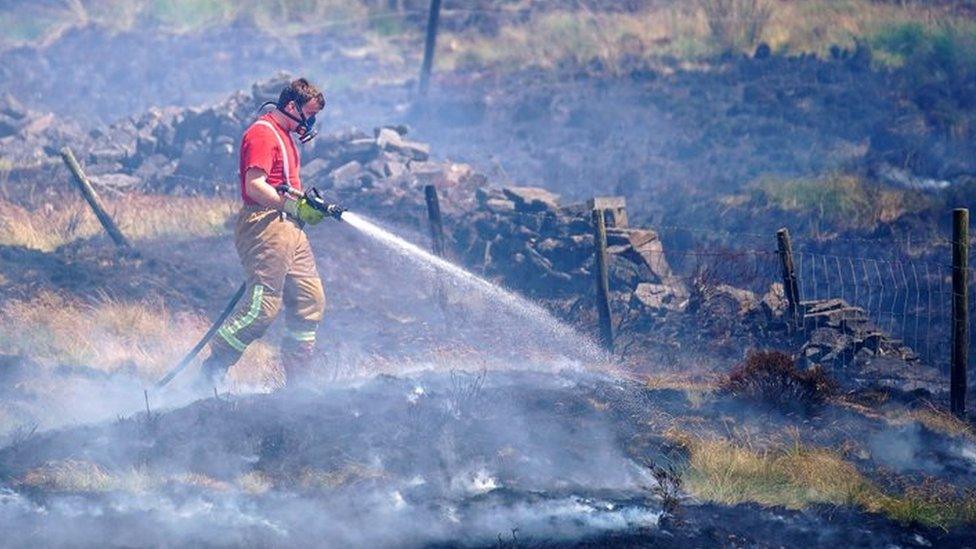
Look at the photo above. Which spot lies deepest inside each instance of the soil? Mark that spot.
(474, 445)
(511, 458)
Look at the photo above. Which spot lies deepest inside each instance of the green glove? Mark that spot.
(300, 209)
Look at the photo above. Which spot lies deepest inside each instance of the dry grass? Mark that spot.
(254, 483)
(85, 476)
(838, 201)
(703, 383)
(145, 337)
(139, 217)
(545, 38)
(79, 476)
(685, 30)
(350, 473)
(935, 420)
(46, 21)
(795, 476)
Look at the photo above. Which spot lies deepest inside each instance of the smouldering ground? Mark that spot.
(448, 436)
(466, 457)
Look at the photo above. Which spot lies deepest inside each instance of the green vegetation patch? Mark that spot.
(796, 476)
(837, 202)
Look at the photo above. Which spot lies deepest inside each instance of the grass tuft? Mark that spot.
(144, 338)
(796, 476)
(838, 201)
(139, 217)
(85, 476)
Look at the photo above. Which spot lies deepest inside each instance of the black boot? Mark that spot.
(214, 369)
(296, 358)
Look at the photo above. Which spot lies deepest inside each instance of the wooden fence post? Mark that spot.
(92, 198)
(960, 311)
(790, 287)
(437, 238)
(433, 16)
(602, 280)
(434, 216)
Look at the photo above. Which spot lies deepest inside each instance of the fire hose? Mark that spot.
(315, 199)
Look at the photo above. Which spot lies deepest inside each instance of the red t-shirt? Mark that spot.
(261, 147)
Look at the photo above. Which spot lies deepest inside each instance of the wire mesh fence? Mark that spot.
(906, 298)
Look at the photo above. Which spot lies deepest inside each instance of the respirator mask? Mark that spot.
(306, 130)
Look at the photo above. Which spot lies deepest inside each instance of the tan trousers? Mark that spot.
(280, 270)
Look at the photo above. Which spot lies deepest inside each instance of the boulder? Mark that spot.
(655, 296)
(773, 302)
(426, 172)
(388, 139)
(394, 169)
(347, 171)
(413, 150)
(725, 301)
(314, 168)
(500, 205)
(532, 199)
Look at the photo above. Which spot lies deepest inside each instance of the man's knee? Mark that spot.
(309, 300)
(252, 318)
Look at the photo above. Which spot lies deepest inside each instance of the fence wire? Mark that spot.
(906, 298)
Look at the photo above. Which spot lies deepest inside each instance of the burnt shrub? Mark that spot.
(771, 378)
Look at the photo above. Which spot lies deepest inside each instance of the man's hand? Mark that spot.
(300, 209)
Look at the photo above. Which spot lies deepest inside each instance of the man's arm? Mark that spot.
(258, 189)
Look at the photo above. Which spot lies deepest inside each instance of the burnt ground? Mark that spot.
(537, 459)
(476, 459)
(471, 456)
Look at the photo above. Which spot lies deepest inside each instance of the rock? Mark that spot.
(314, 168)
(146, 145)
(532, 199)
(455, 174)
(194, 160)
(426, 172)
(39, 124)
(360, 149)
(8, 125)
(347, 171)
(499, 205)
(483, 194)
(413, 150)
(394, 169)
(644, 247)
(400, 129)
(655, 296)
(10, 106)
(117, 181)
(388, 139)
(773, 302)
(727, 301)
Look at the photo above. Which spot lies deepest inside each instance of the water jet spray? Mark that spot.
(523, 307)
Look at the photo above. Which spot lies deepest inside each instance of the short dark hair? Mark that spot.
(301, 91)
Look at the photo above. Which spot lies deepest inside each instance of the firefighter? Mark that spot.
(271, 244)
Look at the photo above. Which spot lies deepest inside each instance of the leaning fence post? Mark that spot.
(434, 216)
(433, 16)
(960, 311)
(790, 286)
(602, 280)
(436, 237)
(92, 198)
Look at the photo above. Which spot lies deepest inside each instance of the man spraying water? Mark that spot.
(274, 250)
